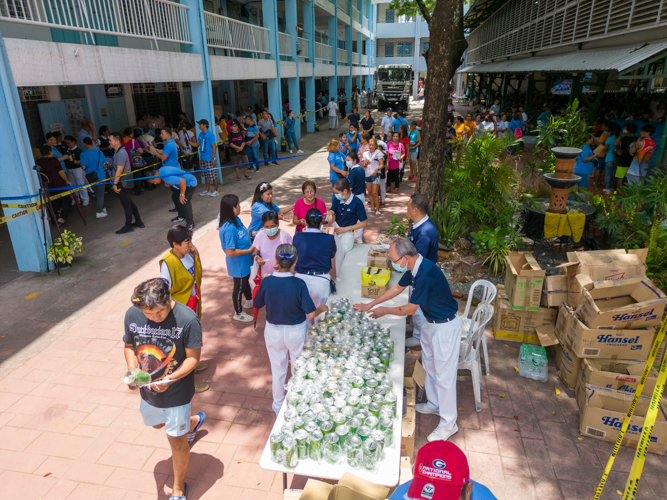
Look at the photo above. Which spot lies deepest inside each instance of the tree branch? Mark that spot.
(424, 11)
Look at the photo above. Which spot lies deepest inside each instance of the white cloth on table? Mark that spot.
(441, 343)
(344, 243)
(284, 344)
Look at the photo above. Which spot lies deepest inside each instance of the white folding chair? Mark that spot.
(469, 355)
(488, 295)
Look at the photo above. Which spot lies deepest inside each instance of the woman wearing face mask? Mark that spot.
(346, 215)
(373, 159)
(301, 207)
(317, 258)
(262, 202)
(268, 240)
(357, 179)
(397, 154)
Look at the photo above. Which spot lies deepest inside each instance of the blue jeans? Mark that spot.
(253, 156)
(269, 144)
(583, 183)
(291, 138)
(609, 174)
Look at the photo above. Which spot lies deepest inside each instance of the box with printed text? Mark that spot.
(524, 279)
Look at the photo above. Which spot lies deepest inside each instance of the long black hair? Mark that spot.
(261, 188)
(227, 204)
(313, 218)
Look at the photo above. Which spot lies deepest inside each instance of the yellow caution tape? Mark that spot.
(282, 122)
(16, 215)
(640, 388)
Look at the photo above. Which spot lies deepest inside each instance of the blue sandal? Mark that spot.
(193, 434)
(185, 494)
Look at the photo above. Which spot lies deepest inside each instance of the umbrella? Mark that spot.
(258, 281)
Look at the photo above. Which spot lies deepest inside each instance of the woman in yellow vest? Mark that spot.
(181, 269)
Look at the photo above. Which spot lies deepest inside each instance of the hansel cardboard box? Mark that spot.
(620, 375)
(623, 304)
(603, 414)
(555, 290)
(519, 326)
(603, 265)
(378, 257)
(524, 279)
(608, 344)
(350, 487)
(566, 360)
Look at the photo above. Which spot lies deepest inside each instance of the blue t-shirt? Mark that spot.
(338, 161)
(258, 209)
(173, 176)
(479, 492)
(396, 124)
(515, 124)
(286, 299)
(171, 151)
(349, 214)
(206, 141)
(238, 237)
(354, 119)
(431, 291)
(357, 179)
(581, 166)
(289, 125)
(610, 156)
(93, 160)
(425, 239)
(315, 251)
(250, 133)
(354, 146)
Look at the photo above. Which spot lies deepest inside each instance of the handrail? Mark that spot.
(323, 52)
(226, 33)
(285, 45)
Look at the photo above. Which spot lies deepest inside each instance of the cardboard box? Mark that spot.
(350, 487)
(566, 360)
(524, 279)
(409, 385)
(406, 470)
(602, 265)
(608, 344)
(555, 291)
(519, 326)
(622, 304)
(408, 433)
(378, 257)
(603, 414)
(619, 375)
(372, 292)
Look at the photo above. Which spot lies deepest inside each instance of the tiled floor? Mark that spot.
(69, 429)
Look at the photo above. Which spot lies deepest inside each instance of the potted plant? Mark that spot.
(283, 144)
(63, 248)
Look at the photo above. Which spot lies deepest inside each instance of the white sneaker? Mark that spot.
(213, 193)
(246, 318)
(99, 215)
(412, 342)
(300, 152)
(85, 203)
(247, 304)
(606, 191)
(203, 193)
(378, 213)
(290, 151)
(104, 210)
(424, 409)
(440, 434)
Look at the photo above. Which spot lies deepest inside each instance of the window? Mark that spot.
(389, 15)
(32, 94)
(404, 49)
(424, 46)
(114, 90)
(73, 92)
(389, 49)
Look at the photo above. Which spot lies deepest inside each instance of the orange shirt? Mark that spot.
(471, 127)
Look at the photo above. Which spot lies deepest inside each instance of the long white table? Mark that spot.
(387, 474)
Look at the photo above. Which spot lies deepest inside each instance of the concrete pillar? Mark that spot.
(270, 19)
(370, 53)
(360, 52)
(417, 54)
(348, 48)
(333, 41)
(18, 177)
(291, 21)
(309, 34)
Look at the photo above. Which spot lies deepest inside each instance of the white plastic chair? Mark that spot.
(488, 295)
(469, 355)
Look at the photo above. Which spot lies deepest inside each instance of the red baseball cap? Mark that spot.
(441, 470)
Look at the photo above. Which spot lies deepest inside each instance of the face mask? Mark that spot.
(399, 268)
(349, 164)
(271, 232)
(339, 196)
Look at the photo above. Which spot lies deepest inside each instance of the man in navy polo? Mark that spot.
(441, 333)
(182, 187)
(424, 236)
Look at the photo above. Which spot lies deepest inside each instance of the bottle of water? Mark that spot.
(533, 362)
(522, 360)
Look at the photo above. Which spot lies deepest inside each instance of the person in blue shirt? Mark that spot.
(344, 147)
(336, 162)
(347, 214)
(252, 142)
(353, 139)
(354, 118)
(290, 132)
(182, 187)
(288, 304)
(610, 158)
(441, 333)
(424, 236)
(584, 164)
(236, 244)
(262, 202)
(400, 120)
(92, 162)
(356, 176)
(206, 144)
(169, 152)
(317, 261)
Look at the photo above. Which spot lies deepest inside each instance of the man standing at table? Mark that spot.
(441, 333)
(424, 236)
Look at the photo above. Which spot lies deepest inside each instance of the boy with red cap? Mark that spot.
(441, 473)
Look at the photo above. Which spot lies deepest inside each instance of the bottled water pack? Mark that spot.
(533, 362)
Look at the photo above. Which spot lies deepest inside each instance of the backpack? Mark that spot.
(136, 159)
(518, 133)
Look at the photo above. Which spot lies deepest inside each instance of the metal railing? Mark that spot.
(343, 6)
(284, 44)
(323, 52)
(302, 46)
(342, 56)
(355, 13)
(225, 33)
(364, 60)
(151, 19)
(524, 26)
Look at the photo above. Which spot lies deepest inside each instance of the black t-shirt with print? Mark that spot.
(160, 348)
(237, 139)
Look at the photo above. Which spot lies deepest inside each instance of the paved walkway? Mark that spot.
(69, 429)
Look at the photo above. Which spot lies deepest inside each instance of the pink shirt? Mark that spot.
(391, 148)
(300, 209)
(267, 248)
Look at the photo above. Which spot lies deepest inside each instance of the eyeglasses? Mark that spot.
(397, 261)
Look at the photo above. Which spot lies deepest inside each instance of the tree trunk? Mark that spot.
(447, 44)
